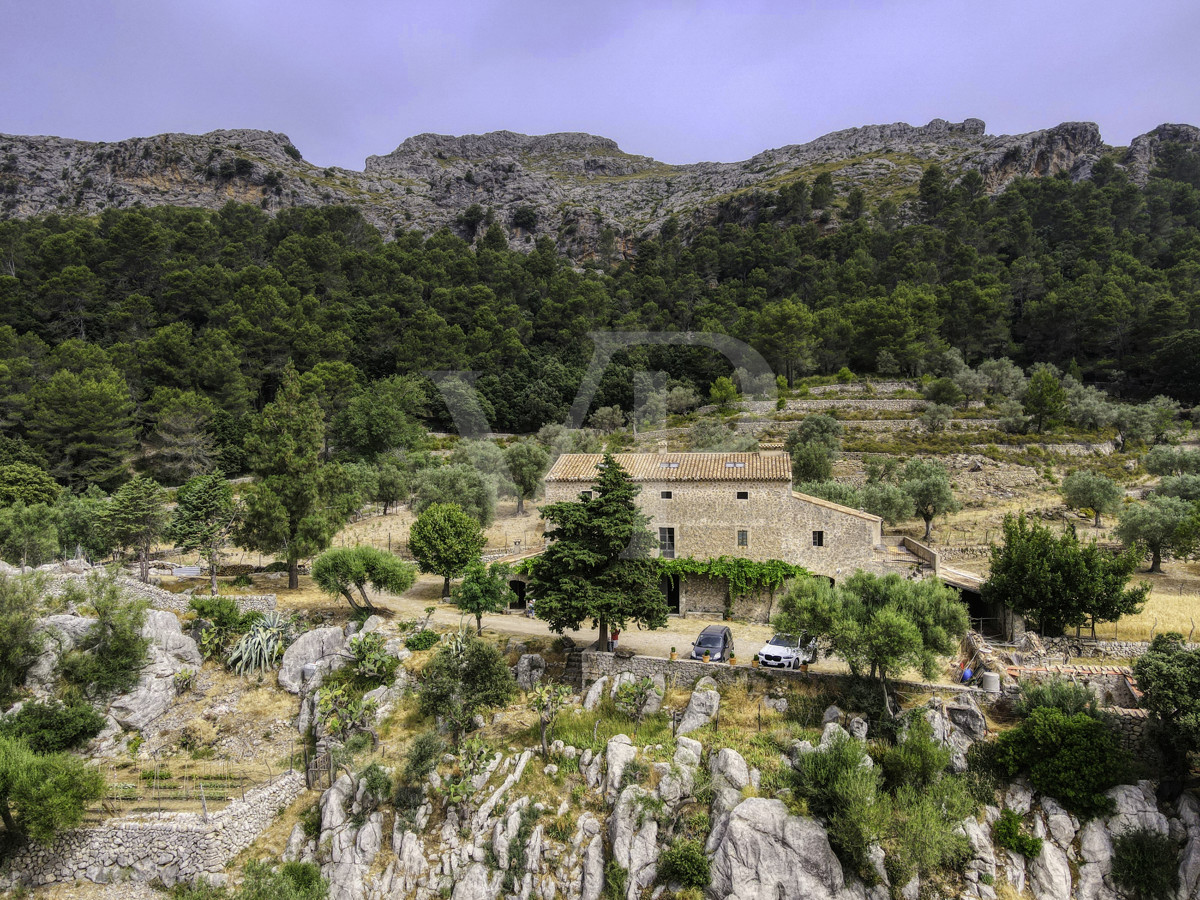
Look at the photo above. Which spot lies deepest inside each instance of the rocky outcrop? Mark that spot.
(701, 709)
(1145, 150)
(322, 649)
(530, 669)
(759, 852)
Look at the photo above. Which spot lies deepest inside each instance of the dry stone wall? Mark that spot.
(172, 848)
(165, 600)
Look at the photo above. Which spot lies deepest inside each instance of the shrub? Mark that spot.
(917, 760)
(223, 612)
(197, 734)
(377, 786)
(464, 676)
(111, 654)
(839, 789)
(422, 640)
(921, 832)
(20, 640)
(342, 712)
(184, 680)
(372, 664)
(1067, 697)
(53, 727)
(1009, 835)
(422, 756)
(291, 881)
(1145, 865)
(616, 877)
(310, 822)
(685, 862)
(1072, 758)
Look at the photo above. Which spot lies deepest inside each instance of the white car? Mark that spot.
(788, 651)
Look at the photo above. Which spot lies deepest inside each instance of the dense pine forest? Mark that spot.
(123, 332)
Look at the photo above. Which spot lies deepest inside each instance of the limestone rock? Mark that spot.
(759, 852)
(474, 884)
(530, 669)
(1050, 874)
(701, 709)
(965, 713)
(595, 693)
(323, 648)
(633, 836)
(1136, 808)
(619, 753)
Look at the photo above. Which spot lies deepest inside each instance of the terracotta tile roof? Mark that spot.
(678, 466)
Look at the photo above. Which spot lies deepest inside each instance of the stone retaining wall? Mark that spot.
(1132, 728)
(173, 847)
(686, 672)
(177, 603)
(1086, 648)
(1112, 685)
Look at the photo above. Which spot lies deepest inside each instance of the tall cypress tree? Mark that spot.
(285, 512)
(597, 564)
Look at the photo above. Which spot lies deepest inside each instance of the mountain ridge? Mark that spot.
(578, 185)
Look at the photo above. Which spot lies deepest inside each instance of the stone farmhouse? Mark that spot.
(707, 505)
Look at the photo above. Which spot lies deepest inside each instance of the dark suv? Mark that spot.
(717, 640)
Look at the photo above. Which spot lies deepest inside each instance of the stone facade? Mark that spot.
(1085, 647)
(749, 512)
(171, 848)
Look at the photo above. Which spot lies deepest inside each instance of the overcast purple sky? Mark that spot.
(679, 81)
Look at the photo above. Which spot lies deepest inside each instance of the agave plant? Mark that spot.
(259, 648)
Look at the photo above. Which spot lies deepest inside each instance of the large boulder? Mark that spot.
(965, 713)
(170, 652)
(1050, 874)
(759, 852)
(701, 709)
(619, 753)
(1136, 807)
(325, 649)
(530, 669)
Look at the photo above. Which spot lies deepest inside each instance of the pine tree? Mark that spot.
(84, 423)
(205, 518)
(285, 512)
(597, 563)
(137, 517)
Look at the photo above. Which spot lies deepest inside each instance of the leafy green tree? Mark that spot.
(597, 561)
(527, 463)
(927, 484)
(28, 534)
(392, 485)
(381, 418)
(181, 446)
(525, 218)
(344, 570)
(137, 517)
(1165, 526)
(1074, 759)
(812, 462)
(1168, 675)
(723, 393)
(607, 419)
(53, 727)
(888, 501)
(945, 392)
(27, 483)
(936, 417)
(1045, 399)
(878, 624)
(445, 540)
(1057, 581)
(204, 519)
(20, 638)
(1185, 487)
(822, 191)
(44, 794)
(484, 589)
(287, 512)
(80, 520)
(461, 485)
(818, 429)
(1088, 490)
